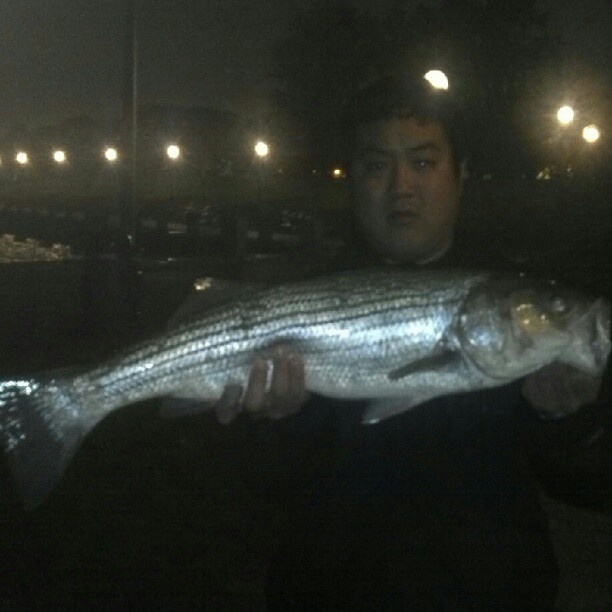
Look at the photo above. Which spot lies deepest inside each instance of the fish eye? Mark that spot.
(558, 305)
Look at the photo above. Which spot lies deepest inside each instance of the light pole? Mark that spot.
(262, 150)
(173, 152)
(113, 172)
(60, 177)
(130, 110)
(566, 138)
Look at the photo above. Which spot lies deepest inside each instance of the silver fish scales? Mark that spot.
(396, 338)
(351, 330)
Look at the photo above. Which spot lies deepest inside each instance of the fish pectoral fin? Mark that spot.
(430, 363)
(381, 409)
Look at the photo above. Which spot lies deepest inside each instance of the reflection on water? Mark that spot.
(12, 250)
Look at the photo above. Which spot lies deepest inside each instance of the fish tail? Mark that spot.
(40, 430)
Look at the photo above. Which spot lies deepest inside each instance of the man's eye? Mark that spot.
(375, 166)
(423, 163)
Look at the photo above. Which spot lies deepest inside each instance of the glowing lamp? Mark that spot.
(437, 79)
(565, 115)
(173, 151)
(591, 133)
(262, 149)
(111, 154)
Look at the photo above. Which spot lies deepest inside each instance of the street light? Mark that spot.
(437, 79)
(591, 133)
(565, 115)
(59, 156)
(262, 149)
(111, 154)
(173, 151)
(337, 173)
(22, 158)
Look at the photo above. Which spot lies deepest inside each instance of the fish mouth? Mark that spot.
(601, 333)
(590, 346)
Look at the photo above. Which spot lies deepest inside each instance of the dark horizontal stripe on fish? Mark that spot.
(181, 337)
(165, 358)
(379, 308)
(167, 355)
(307, 297)
(224, 364)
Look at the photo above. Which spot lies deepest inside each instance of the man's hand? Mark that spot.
(285, 396)
(559, 390)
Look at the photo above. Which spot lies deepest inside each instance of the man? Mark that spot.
(433, 508)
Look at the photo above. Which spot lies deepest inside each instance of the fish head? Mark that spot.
(509, 327)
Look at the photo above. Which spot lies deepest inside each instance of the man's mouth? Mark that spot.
(402, 217)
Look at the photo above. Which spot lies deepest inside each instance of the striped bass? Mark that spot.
(397, 338)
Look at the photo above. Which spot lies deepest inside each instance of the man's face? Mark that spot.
(406, 188)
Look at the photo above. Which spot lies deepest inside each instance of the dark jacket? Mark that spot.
(433, 508)
(436, 508)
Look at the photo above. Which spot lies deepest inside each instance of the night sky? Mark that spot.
(65, 57)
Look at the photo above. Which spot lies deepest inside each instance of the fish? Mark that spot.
(396, 338)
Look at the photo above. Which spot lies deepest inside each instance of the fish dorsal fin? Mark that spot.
(442, 359)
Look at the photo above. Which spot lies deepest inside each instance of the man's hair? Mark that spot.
(401, 97)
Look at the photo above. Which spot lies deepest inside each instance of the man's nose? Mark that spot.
(404, 178)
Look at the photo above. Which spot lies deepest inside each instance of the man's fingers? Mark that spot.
(559, 389)
(288, 393)
(297, 377)
(280, 385)
(228, 406)
(255, 395)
